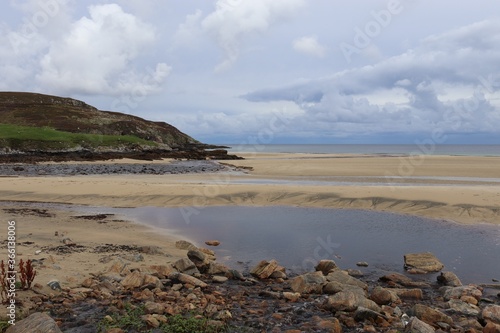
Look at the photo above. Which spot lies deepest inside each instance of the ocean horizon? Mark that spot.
(382, 149)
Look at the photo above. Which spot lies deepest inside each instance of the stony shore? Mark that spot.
(264, 299)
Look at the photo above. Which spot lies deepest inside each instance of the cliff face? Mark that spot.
(70, 115)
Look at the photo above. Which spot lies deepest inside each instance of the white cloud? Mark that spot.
(464, 59)
(234, 20)
(96, 55)
(309, 45)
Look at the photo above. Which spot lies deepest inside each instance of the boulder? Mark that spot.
(36, 323)
(185, 245)
(133, 280)
(162, 271)
(326, 266)
(200, 259)
(459, 292)
(264, 269)
(344, 278)
(463, 308)
(186, 266)
(188, 279)
(415, 325)
(491, 313)
(425, 262)
(217, 269)
(429, 315)
(449, 279)
(309, 283)
(350, 301)
(383, 296)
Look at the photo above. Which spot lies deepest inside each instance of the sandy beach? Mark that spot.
(459, 188)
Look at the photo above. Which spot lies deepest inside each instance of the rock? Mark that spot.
(264, 269)
(362, 264)
(383, 296)
(460, 307)
(491, 313)
(200, 260)
(36, 323)
(188, 279)
(217, 269)
(219, 279)
(151, 250)
(355, 273)
(363, 314)
(429, 315)
(133, 280)
(458, 292)
(423, 261)
(342, 277)
(278, 275)
(395, 279)
(223, 315)
(334, 287)
(151, 281)
(326, 266)
(151, 320)
(184, 245)
(415, 294)
(137, 257)
(162, 271)
(54, 285)
(415, 325)
(331, 325)
(309, 283)
(292, 297)
(350, 301)
(212, 243)
(186, 266)
(449, 279)
(152, 307)
(491, 328)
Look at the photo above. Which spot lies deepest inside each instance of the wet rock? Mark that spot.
(415, 325)
(396, 279)
(463, 308)
(279, 273)
(459, 292)
(185, 245)
(413, 294)
(264, 269)
(212, 243)
(429, 315)
(449, 279)
(217, 269)
(350, 301)
(491, 313)
(309, 283)
(425, 262)
(36, 323)
(355, 273)
(188, 279)
(342, 277)
(186, 266)
(362, 264)
(326, 266)
(200, 260)
(383, 296)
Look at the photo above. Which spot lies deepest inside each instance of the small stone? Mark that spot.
(54, 285)
(187, 279)
(264, 269)
(292, 297)
(415, 325)
(151, 320)
(186, 266)
(37, 322)
(362, 264)
(449, 279)
(309, 283)
(212, 243)
(133, 280)
(326, 266)
(219, 279)
(383, 296)
(185, 245)
(463, 308)
(152, 307)
(429, 315)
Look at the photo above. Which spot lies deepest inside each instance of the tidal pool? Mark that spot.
(299, 237)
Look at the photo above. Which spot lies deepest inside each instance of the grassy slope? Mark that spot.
(15, 136)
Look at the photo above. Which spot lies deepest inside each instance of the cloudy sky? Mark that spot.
(268, 71)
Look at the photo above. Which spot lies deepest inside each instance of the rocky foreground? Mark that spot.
(262, 300)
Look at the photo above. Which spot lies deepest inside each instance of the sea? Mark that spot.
(370, 149)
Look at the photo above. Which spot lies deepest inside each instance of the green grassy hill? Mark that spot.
(36, 122)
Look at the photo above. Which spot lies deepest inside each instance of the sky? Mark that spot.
(269, 71)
